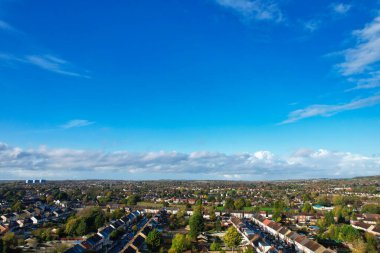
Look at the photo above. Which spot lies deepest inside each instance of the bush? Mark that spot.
(88, 220)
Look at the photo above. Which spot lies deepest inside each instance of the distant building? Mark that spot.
(35, 181)
(323, 208)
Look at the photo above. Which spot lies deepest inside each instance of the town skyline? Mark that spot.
(207, 89)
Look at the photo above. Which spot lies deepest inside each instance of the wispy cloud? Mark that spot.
(69, 163)
(312, 25)
(6, 27)
(366, 53)
(77, 123)
(340, 8)
(44, 61)
(53, 64)
(316, 23)
(370, 81)
(254, 9)
(360, 65)
(329, 110)
(47, 62)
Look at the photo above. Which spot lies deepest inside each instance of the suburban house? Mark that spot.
(370, 228)
(301, 243)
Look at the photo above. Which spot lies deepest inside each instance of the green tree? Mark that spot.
(196, 224)
(239, 204)
(211, 211)
(180, 243)
(9, 241)
(277, 216)
(306, 197)
(371, 208)
(116, 234)
(371, 243)
(218, 226)
(344, 233)
(323, 200)
(71, 226)
(279, 206)
(210, 198)
(232, 238)
(229, 204)
(307, 208)
(215, 246)
(86, 221)
(117, 214)
(154, 240)
(17, 206)
(133, 199)
(81, 228)
(329, 219)
(359, 247)
(256, 209)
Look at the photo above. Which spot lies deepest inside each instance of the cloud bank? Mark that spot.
(17, 163)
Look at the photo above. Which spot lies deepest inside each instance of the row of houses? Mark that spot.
(370, 228)
(251, 238)
(300, 242)
(19, 221)
(137, 244)
(101, 239)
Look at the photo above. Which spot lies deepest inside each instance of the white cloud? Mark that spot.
(329, 110)
(254, 9)
(67, 163)
(366, 53)
(340, 8)
(361, 66)
(77, 123)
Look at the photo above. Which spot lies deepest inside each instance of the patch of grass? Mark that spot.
(150, 204)
(267, 209)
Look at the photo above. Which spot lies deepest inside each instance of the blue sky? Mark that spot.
(205, 87)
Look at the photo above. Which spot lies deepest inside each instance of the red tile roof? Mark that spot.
(267, 222)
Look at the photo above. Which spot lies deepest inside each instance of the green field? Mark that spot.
(150, 204)
(157, 205)
(248, 209)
